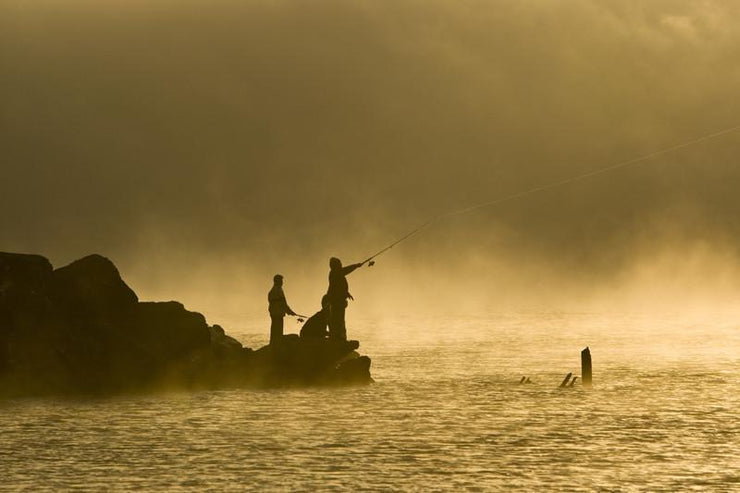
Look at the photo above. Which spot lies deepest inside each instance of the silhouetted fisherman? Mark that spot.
(338, 294)
(315, 326)
(278, 308)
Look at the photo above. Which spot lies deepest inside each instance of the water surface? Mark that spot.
(446, 413)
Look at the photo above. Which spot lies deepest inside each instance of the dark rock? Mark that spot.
(22, 273)
(224, 345)
(306, 361)
(24, 284)
(80, 328)
(92, 286)
(170, 330)
(353, 371)
(26, 314)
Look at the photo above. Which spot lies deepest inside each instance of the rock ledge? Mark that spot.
(80, 329)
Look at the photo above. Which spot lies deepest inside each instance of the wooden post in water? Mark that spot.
(586, 367)
(566, 380)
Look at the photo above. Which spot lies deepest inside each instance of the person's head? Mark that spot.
(335, 263)
(277, 279)
(325, 303)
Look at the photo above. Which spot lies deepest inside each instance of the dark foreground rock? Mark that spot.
(81, 329)
(297, 361)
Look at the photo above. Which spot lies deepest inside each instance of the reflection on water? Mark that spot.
(446, 413)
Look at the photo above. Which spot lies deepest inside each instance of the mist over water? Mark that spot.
(445, 413)
(206, 147)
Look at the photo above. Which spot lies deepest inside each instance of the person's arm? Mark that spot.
(279, 297)
(288, 310)
(351, 268)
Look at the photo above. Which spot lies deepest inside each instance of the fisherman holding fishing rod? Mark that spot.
(278, 308)
(338, 294)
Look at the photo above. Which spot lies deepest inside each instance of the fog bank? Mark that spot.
(205, 146)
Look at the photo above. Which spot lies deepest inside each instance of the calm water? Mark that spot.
(445, 414)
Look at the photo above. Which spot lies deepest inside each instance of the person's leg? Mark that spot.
(336, 321)
(331, 323)
(276, 328)
(341, 329)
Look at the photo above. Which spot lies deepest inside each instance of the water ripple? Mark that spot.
(663, 416)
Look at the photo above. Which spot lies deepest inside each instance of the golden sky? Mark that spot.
(271, 134)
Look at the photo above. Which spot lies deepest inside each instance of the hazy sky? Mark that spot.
(204, 146)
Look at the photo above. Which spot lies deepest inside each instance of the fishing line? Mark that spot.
(556, 184)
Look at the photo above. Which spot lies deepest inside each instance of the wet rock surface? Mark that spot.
(82, 329)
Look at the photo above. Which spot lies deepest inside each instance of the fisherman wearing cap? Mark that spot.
(278, 308)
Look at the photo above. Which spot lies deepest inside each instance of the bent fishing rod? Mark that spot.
(555, 184)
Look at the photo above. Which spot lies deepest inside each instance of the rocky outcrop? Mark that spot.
(80, 328)
(299, 361)
(92, 287)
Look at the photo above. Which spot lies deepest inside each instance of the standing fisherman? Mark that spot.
(338, 294)
(278, 308)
